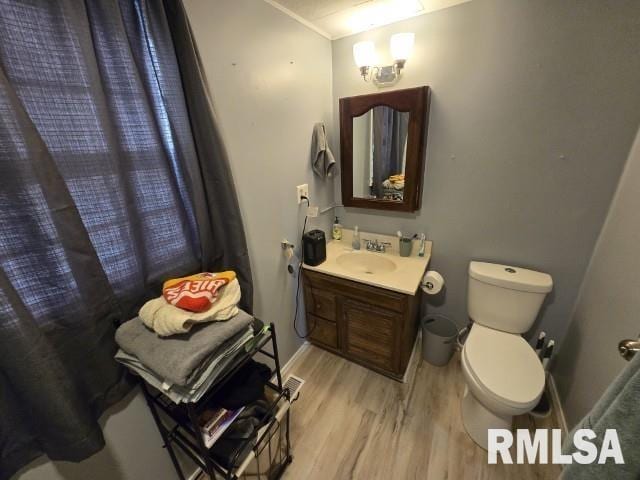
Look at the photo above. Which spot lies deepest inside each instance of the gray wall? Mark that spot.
(608, 307)
(534, 108)
(516, 85)
(133, 451)
(271, 81)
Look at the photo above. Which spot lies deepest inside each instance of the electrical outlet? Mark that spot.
(302, 191)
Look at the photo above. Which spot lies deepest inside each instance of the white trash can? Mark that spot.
(439, 335)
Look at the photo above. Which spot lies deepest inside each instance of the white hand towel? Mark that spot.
(167, 319)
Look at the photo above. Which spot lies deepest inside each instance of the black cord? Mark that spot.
(295, 315)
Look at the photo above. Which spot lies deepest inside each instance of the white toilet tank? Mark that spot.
(506, 298)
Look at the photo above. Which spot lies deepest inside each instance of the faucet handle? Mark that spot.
(382, 246)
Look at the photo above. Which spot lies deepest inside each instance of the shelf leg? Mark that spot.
(163, 431)
(276, 356)
(288, 438)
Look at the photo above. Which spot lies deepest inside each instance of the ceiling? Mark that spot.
(338, 18)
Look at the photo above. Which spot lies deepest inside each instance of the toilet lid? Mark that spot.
(505, 364)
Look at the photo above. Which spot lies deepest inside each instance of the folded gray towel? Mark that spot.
(322, 160)
(175, 358)
(619, 408)
(201, 379)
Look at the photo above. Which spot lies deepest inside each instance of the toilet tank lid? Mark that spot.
(515, 278)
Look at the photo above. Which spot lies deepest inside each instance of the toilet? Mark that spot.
(503, 374)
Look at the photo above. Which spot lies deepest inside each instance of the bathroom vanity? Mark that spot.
(365, 306)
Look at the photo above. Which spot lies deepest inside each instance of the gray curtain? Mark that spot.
(113, 178)
(223, 242)
(390, 129)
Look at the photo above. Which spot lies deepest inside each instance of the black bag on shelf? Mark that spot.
(245, 387)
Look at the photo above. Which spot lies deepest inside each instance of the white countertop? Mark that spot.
(404, 279)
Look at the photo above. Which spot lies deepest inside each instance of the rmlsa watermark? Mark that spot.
(534, 447)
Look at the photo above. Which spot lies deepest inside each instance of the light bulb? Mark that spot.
(364, 54)
(401, 45)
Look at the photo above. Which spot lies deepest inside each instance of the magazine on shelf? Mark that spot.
(214, 422)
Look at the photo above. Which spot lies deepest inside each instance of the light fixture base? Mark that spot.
(364, 72)
(387, 75)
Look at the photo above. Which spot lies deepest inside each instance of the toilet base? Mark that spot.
(477, 419)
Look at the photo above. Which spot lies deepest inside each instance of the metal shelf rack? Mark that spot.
(178, 426)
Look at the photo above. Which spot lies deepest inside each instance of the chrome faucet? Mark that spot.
(376, 246)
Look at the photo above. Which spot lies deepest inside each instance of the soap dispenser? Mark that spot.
(355, 241)
(336, 231)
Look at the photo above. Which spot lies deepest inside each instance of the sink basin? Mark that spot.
(363, 262)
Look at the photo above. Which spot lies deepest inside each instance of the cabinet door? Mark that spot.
(322, 331)
(320, 302)
(370, 334)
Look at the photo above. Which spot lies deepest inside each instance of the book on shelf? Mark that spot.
(214, 422)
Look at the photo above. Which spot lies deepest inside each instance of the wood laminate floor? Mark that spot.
(352, 423)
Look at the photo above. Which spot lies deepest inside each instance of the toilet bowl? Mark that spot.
(503, 374)
(504, 378)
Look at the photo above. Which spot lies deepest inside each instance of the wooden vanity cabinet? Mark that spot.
(368, 325)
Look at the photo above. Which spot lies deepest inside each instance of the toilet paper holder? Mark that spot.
(432, 282)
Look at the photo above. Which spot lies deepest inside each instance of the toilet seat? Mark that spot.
(505, 366)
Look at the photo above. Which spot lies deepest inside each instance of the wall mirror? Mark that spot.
(382, 149)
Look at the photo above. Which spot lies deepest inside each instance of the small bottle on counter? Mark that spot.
(423, 237)
(336, 231)
(355, 241)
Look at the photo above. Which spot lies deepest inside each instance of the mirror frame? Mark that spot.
(412, 100)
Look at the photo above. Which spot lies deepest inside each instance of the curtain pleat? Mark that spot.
(113, 178)
(223, 241)
(390, 129)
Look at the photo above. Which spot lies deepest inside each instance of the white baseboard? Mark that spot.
(284, 369)
(557, 404)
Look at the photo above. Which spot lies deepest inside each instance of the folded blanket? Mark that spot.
(175, 358)
(167, 319)
(394, 182)
(199, 385)
(200, 379)
(196, 293)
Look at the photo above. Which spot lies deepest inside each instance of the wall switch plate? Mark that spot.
(302, 191)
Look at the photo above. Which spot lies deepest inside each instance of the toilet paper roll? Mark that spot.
(432, 282)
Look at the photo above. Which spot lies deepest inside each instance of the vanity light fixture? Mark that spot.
(364, 54)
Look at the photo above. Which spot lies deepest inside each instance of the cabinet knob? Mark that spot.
(317, 306)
